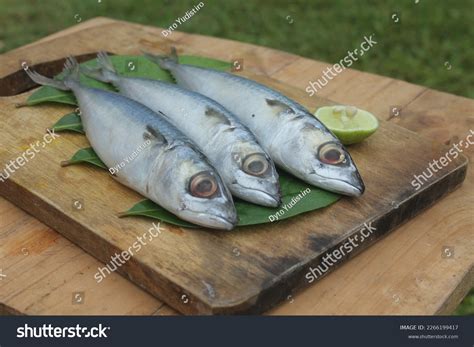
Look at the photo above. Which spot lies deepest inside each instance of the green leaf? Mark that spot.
(50, 94)
(304, 200)
(148, 208)
(130, 66)
(297, 198)
(69, 122)
(85, 155)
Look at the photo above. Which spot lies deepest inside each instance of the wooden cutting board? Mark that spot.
(248, 270)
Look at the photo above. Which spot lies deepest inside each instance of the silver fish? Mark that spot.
(294, 139)
(169, 169)
(245, 167)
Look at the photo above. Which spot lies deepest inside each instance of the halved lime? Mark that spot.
(348, 123)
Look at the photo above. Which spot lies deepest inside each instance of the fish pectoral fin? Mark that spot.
(309, 127)
(172, 145)
(279, 107)
(163, 114)
(230, 128)
(155, 135)
(217, 115)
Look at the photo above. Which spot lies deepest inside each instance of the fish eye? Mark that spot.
(203, 185)
(255, 164)
(331, 153)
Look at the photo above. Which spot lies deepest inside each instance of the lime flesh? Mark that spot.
(350, 124)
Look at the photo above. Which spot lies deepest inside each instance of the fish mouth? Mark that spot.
(214, 221)
(267, 199)
(258, 196)
(346, 188)
(343, 187)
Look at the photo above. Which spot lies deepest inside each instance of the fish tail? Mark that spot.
(105, 71)
(105, 62)
(166, 62)
(70, 71)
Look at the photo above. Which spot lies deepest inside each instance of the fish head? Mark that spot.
(253, 174)
(198, 190)
(324, 162)
(334, 169)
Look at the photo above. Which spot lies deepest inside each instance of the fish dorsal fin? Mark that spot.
(217, 115)
(163, 115)
(153, 134)
(279, 107)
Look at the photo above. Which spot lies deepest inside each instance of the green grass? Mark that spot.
(429, 33)
(416, 49)
(467, 306)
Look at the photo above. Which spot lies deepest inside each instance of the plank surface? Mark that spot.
(47, 273)
(279, 69)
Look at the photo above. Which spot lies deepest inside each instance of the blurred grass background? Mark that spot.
(417, 40)
(428, 33)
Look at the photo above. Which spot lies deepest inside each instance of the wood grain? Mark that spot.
(278, 70)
